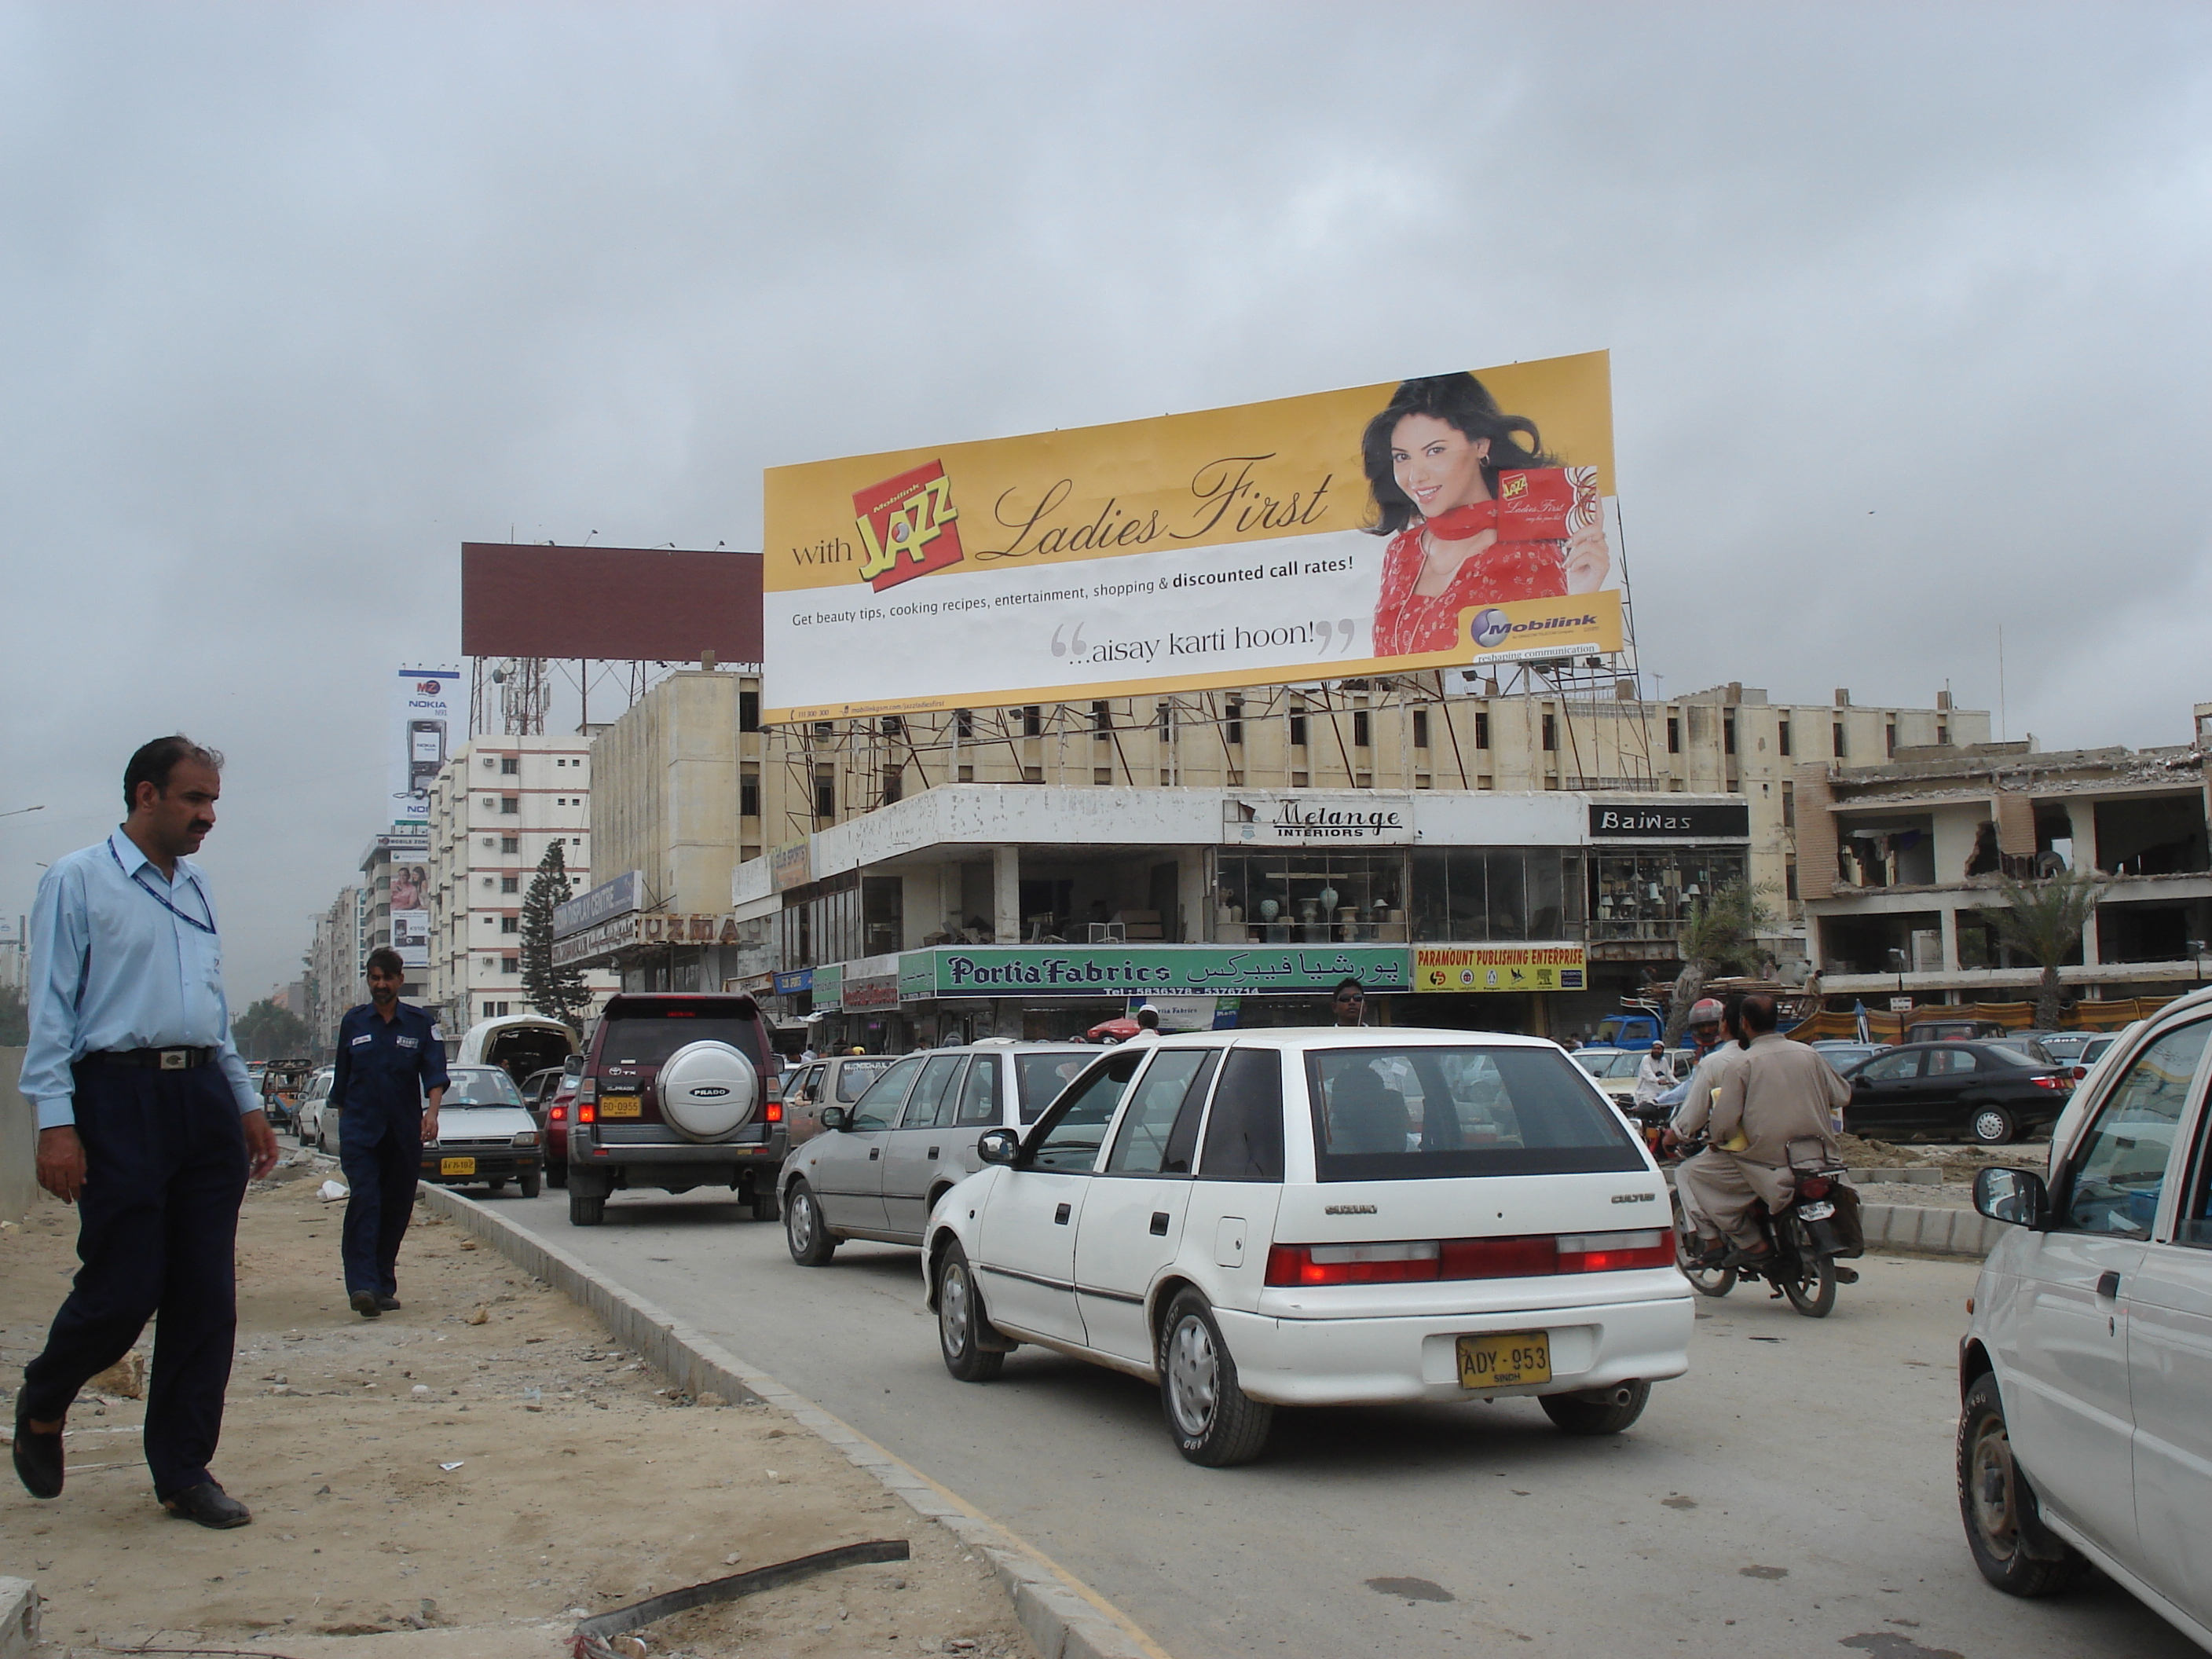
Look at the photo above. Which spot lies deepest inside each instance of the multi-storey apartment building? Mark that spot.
(334, 966)
(499, 804)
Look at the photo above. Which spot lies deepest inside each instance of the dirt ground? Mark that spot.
(1959, 1162)
(472, 1473)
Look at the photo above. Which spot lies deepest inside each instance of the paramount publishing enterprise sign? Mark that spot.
(1306, 819)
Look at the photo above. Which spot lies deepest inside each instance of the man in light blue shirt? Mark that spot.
(148, 1123)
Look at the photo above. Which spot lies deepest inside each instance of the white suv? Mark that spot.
(2087, 1366)
(1321, 1217)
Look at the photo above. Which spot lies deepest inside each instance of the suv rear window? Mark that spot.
(641, 1034)
(1416, 1113)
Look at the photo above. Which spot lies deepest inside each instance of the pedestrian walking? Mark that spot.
(386, 1086)
(147, 1123)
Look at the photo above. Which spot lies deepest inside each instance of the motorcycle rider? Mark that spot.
(1714, 1027)
(1654, 1076)
(1776, 1098)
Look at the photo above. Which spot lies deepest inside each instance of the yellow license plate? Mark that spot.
(1504, 1360)
(468, 1166)
(618, 1106)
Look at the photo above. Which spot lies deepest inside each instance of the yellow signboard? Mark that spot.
(1500, 968)
(1437, 522)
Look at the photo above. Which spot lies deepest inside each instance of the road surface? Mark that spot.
(1791, 1496)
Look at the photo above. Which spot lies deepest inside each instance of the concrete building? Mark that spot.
(399, 857)
(498, 805)
(689, 790)
(334, 978)
(1899, 859)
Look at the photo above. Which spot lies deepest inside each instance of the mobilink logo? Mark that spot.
(1490, 628)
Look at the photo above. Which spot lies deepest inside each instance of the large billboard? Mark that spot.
(429, 720)
(622, 603)
(1440, 522)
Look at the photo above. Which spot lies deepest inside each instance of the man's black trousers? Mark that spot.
(381, 1180)
(157, 1232)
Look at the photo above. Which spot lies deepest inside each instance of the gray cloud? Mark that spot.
(1905, 305)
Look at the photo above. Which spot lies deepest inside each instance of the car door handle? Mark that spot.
(874, 1153)
(932, 1151)
(1159, 1223)
(1059, 1216)
(2108, 1284)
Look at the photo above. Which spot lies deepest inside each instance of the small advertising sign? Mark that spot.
(1035, 972)
(1309, 819)
(1499, 968)
(609, 899)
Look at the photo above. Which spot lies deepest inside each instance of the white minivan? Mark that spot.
(2085, 1370)
(1321, 1217)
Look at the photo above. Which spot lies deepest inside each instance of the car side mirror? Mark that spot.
(833, 1117)
(2016, 1197)
(999, 1146)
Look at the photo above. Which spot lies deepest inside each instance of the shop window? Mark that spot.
(1292, 895)
(1497, 893)
(1649, 896)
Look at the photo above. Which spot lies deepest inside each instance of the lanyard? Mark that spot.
(162, 899)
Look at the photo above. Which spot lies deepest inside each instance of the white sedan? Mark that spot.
(1321, 1217)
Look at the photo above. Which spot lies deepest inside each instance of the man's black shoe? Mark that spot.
(364, 1302)
(1711, 1257)
(209, 1504)
(388, 1303)
(39, 1458)
(1741, 1258)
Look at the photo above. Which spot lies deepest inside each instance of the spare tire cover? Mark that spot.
(707, 1089)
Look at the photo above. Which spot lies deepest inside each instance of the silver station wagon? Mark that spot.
(879, 1167)
(1321, 1217)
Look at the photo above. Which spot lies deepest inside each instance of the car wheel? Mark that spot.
(1607, 1412)
(1993, 1494)
(1992, 1126)
(556, 1175)
(585, 1212)
(960, 1321)
(764, 1205)
(805, 1234)
(531, 1184)
(1215, 1423)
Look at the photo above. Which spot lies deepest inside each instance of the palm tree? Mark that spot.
(2043, 921)
(1722, 932)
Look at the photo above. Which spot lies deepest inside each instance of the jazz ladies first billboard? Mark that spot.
(1437, 523)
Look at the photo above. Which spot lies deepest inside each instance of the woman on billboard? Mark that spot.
(1476, 512)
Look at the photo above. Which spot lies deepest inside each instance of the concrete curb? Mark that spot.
(19, 1618)
(1930, 1231)
(1064, 1617)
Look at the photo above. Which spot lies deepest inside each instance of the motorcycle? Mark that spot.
(1804, 1241)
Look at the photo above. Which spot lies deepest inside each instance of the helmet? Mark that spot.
(1708, 1011)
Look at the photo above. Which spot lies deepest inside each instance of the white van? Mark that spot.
(519, 1044)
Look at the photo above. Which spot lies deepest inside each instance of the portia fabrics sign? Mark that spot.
(1033, 971)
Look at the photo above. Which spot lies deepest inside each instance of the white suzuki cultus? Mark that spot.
(1321, 1217)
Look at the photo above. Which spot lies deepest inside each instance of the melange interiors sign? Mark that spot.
(1307, 819)
(1034, 971)
(1641, 823)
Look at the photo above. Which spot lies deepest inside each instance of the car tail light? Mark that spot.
(775, 1088)
(1352, 1264)
(588, 1089)
(558, 1114)
(2053, 1082)
(774, 1112)
(1524, 1256)
(588, 1113)
(2081, 1072)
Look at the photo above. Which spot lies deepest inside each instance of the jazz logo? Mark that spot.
(908, 527)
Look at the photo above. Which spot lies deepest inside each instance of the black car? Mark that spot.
(1981, 1092)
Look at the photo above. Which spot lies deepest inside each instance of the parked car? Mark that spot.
(486, 1135)
(2030, 1045)
(1614, 1070)
(550, 1095)
(1952, 1031)
(881, 1164)
(1955, 1089)
(2087, 1428)
(1321, 1217)
(520, 1045)
(678, 1090)
(1843, 1055)
(839, 1080)
(307, 1115)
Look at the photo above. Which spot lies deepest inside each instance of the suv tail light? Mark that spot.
(1528, 1255)
(772, 1087)
(588, 1089)
(773, 1112)
(588, 1113)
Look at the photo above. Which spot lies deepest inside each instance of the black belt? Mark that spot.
(153, 1060)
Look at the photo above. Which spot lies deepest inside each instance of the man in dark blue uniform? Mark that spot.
(389, 1062)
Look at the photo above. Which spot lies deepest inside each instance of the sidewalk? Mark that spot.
(459, 1478)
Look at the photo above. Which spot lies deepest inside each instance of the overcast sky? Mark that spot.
(1907, 308)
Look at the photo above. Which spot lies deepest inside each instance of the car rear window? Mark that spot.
(854, 1076)
(2013, 1057)
(1419, 1113)
(647, 1035)
(1041, 1077)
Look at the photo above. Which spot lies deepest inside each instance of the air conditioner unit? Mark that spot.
(488, 762)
